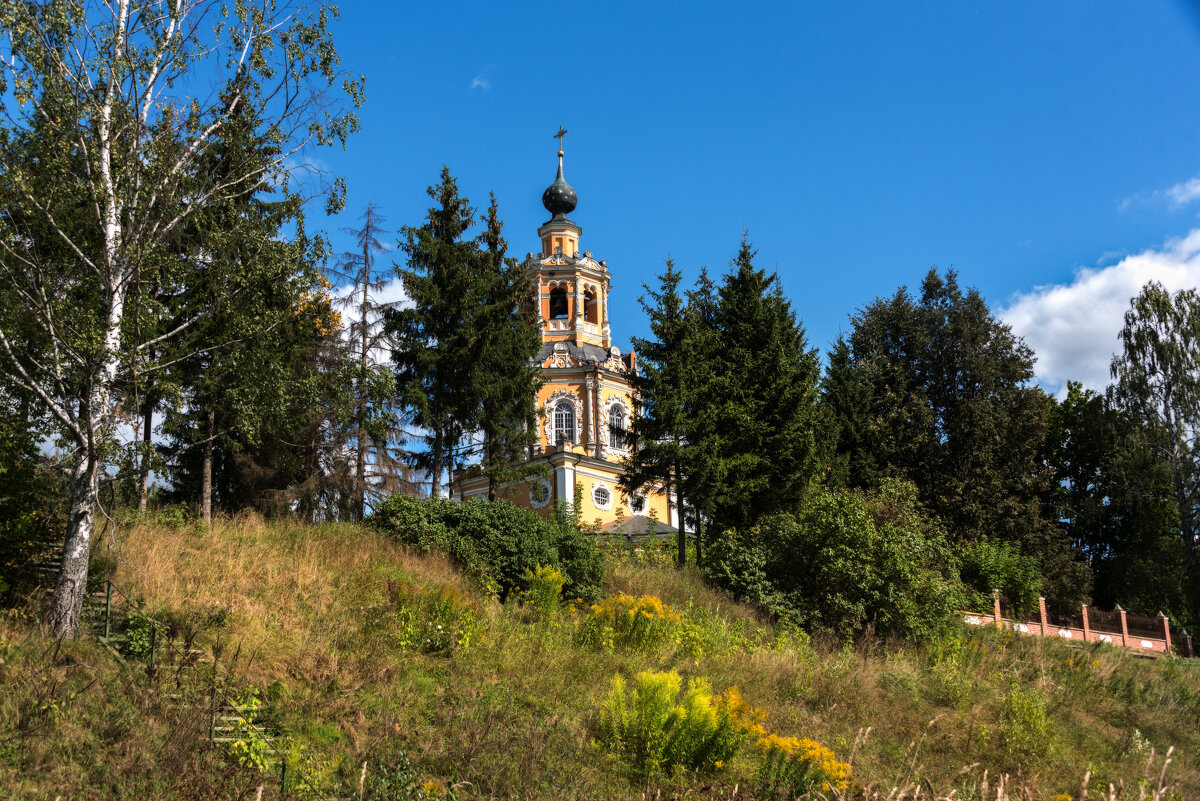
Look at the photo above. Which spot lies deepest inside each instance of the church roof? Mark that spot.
(584, 353)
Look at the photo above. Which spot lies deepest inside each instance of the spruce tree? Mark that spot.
(662, 388)
(506, 339)
(433, 345)
(764, 398)
(846, 403)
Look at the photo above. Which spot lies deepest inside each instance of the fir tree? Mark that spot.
(662, 388)
(846, 403)
(506, 339)
(433, 345)
(764, 398)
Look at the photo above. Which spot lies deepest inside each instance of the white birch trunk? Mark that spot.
(66, 604)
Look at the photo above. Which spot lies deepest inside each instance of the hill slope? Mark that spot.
(371, 666)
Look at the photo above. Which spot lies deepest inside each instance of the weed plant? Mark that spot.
(313, 615)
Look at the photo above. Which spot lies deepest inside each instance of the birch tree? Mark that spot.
(1157, 375)
(107, 110)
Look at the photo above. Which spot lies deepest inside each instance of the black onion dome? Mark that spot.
(559, 198)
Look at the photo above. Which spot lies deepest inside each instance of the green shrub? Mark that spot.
(397, 780)
(796, 767)
(542, 590)
(496, 542)
(439, 620)
(847, 561)
(142, 632)
(1024, 725)
(637, 624)
(656, 733)
(986, 565)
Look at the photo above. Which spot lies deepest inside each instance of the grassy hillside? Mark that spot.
(383, 669)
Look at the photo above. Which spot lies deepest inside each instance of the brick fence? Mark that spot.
(1092, 625)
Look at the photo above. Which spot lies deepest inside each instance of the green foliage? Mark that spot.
(495, 542)
(142, 634)
(1025, 725)
(987, 565)
(1158, 385)
(438, 620)
(543, 590)
(31, 518)
(642, 624)
(397, 780)
(847, 561)
(950, 408)
(248, 748)
(655, 732)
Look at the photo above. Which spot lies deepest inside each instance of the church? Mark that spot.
(586, 401)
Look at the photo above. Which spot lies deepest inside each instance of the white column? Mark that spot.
(560, 482)
(606, 330)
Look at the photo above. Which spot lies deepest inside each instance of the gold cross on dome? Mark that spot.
(561, 133)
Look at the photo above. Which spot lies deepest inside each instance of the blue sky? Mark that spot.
(1043, 150)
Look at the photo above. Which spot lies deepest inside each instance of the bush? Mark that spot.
(543, 588)
(847, 561)
(991, 564)
(432, 620)
(622, 621)
(495, 541)
(796, 767)
(657, 734)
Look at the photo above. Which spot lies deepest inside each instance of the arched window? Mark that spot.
(618, 434)
(564, 422)
(590, 307)
(558, 303)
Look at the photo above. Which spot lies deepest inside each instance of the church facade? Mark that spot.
(587, 402)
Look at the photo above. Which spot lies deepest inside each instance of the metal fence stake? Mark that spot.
(107, 610)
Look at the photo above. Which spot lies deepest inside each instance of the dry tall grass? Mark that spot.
(513, 714)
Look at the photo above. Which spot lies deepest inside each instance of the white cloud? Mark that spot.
(1185, 192)
(1175, 197)
(481, 81)
(1073, 327)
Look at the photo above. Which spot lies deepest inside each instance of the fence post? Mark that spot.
(212, 714)
(1124, 627)
(996, 608)
(1187, 645)
(107, 610)
(153, 649)
(1166, 629)
(1042, 614)
(1087, 626)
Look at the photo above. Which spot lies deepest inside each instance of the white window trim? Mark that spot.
(605, 436)
(602, 485)
(552, 402)
(549, 493)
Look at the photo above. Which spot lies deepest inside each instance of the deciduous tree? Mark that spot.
(117, 99)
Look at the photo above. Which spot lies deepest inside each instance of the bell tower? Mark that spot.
(587, 400)
(572, 287)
